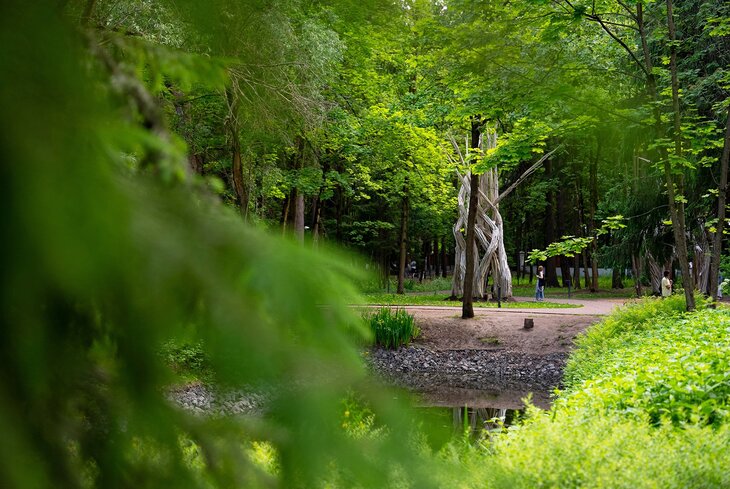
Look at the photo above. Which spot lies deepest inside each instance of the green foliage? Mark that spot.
(572, 451)
(186, 359)
(392, 329)
(681, 376)
(571, 245)
(526, 140)
(624, 327)
(647, 405)
(105, 265)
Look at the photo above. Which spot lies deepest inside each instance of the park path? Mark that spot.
(589, 307)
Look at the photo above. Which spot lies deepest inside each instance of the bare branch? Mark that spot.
(525, 175)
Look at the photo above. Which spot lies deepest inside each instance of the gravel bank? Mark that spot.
(447, 377)
(453, 377)
(201, 399)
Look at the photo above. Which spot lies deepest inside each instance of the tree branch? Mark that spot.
(525, 175)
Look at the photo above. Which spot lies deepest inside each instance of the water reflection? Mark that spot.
(475, 420)
(445, 424)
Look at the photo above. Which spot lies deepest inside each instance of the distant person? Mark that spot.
(720, 280)
(666, 285)
(540, 287)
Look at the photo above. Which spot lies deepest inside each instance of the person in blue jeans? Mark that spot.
(540, 287)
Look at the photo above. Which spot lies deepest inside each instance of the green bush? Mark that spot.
(619, 331)
(572, 451)
(391, 329)
(647, 405)
(186, 359)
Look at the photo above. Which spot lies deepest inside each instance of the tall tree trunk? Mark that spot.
(676, 207)
(467, 309)
(564, 270)
(436, 258)
(636, 269)
(443, 257)
(576, 271)
(551, 231)
(195, 161)
(316, 212)
(298, 164)
(403, 239)
(578, 232)
(616, 281)
(721, 199)
(236, 157)
(593, 183)
(299, 216)
(285, 212)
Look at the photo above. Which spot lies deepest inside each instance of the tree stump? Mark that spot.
(529, 323)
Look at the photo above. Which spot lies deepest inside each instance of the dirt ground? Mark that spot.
(503, 329)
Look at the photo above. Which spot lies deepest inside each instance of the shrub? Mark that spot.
(186, 359)
(618, 331)
(647, 405)
(391, 329)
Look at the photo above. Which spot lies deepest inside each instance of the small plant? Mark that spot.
(186, 359)
(391, 329)
(489, 340)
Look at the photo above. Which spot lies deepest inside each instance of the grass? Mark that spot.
(391, 328)
(442, 300)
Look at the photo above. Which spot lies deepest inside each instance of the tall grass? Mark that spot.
(390, 328)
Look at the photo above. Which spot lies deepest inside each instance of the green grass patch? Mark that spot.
(391, 328)
(442, 300)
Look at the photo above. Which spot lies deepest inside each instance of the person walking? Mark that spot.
(540, 287)
(666, 285)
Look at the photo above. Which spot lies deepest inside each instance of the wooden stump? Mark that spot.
(529, 323)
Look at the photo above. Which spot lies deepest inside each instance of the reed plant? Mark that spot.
(392, 327)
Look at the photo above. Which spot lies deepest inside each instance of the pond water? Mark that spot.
(510, 398)
(459, 419)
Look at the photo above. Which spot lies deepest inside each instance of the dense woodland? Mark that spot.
(335, 121)
(154, 153)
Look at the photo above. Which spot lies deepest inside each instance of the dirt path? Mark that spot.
(502, 329)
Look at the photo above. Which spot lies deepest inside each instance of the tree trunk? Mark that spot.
(616, 281)
(721, 199)
(436, 258)
(403, 239)
(676, 207)
(467, 309)
(285, 212)
(551, 232)
(576, 272)
(636, 269)
(236, 157)
(316, 215)
(593, 183)
(299, 216)
(656, 273)
(564, 270)
(443, 256)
